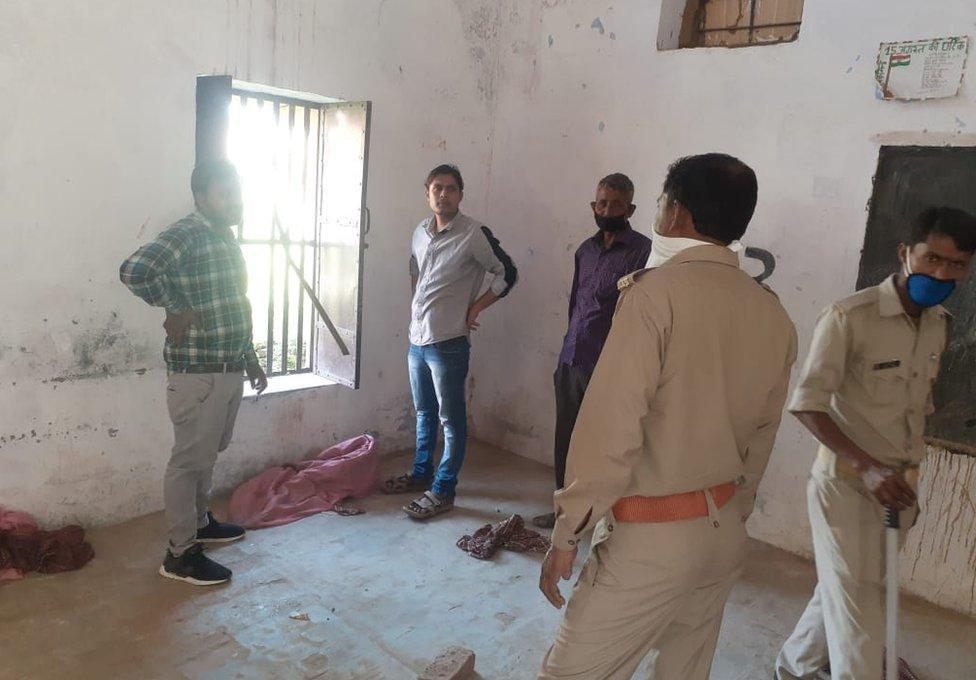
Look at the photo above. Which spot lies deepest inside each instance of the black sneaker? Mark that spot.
(194, 567)
(219, 532)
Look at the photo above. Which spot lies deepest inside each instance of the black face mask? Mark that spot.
(611, 224)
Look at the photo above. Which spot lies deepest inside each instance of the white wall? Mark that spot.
(97, 142)
(574, 104)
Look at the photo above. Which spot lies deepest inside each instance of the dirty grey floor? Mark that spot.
(382, 595)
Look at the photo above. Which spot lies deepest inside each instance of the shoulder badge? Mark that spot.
(629, 280)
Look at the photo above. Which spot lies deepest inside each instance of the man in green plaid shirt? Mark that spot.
(195, 270)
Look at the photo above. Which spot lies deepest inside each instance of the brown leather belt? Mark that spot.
(671, 508)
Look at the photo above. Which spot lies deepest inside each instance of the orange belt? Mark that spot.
(671, 508)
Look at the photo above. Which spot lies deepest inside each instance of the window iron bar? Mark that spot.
(731, 29)
(269, 359)
(286, 244)
(299, 353)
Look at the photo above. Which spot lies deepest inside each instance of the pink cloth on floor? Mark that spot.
(11, 520)
(289, 492)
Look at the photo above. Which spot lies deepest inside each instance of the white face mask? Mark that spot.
(663, 248)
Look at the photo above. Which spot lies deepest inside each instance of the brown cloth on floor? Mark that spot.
(47, 552)
(510, 534)
(905, 671)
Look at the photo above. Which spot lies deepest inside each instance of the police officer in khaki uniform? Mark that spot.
(673, 436)
(865, 392)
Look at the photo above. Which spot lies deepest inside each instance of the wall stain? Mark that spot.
(522, 429)
(406, 420)
(70, 433)
(103, 352)
(482, 26)
(947, 522)
(288, 422)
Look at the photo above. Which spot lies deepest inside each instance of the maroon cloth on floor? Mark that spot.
(289, 492)
(905, 671)
(24, 547)
(509, 534)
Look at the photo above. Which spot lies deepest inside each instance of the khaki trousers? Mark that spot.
(203, 408)
(650, 588)
(844, 622)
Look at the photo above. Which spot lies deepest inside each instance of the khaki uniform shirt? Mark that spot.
(688, 392)
(871, 368)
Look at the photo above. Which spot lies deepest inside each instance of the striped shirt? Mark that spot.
(195, 266)
(450, 268)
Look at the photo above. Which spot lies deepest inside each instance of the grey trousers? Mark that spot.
(203, 408)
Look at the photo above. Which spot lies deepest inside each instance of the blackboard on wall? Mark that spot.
(910, 179)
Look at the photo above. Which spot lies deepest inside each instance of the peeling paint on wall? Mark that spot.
(51, 433)
(945, 534)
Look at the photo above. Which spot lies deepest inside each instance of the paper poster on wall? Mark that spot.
(921, 69)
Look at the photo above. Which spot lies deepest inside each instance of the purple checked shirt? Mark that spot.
(594, 293)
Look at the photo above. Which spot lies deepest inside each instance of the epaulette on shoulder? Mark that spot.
(632, 278)
(859, 299)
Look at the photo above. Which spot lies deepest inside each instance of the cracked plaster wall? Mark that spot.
(534, 99)
(580, 91)
(97, 140)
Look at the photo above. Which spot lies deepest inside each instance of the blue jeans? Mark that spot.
(437, 376)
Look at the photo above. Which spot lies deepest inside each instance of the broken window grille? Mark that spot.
(739, 23)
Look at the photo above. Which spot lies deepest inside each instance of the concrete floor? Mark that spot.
(382, 594)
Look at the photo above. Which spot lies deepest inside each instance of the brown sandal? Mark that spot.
(404, 484)
(429, 505)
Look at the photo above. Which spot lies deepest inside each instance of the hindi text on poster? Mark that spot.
(921, 69)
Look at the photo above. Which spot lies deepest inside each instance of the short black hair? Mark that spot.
(718, 190)
(445, 169)
(208, 172)
(617, 181)
(957, 224)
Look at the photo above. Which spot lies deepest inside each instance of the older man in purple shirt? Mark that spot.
(603, 259)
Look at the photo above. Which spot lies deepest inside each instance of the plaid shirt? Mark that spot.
(195, 266)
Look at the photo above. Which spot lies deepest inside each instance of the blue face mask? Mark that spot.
(926, 291)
